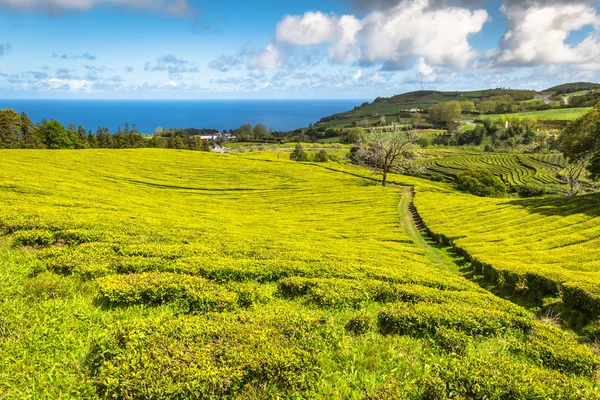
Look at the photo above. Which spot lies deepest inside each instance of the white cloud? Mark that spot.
(310, 29)
(423, 68)
(174, 7)
(440, 36)
(358, 74)
(270, 58)
(315, 28)
(537, 34)
(412, 28)
(345, 48)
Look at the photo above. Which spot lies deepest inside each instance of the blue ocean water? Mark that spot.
(282, 115)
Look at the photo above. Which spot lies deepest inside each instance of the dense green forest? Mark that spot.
(17, 131)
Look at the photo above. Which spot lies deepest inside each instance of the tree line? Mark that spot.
(17, 131)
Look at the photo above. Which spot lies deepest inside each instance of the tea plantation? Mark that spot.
(162, 274)
(513, 168)
(538, 248)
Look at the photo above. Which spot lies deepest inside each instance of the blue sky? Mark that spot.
(94, 49)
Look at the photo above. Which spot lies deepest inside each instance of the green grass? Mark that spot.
(562, 114)
(172, 274)
(254, 146)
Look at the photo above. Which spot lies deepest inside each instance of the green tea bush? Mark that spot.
(451, 340)
(46, 286)
(198, 358)
(33, 238)
(425, 319)
(555, 349)
(77, 236)
(359, 324)
(251, 293)
(191, 294)
(498, 378)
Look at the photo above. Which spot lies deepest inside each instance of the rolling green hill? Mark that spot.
(573, 87)
(395, 108)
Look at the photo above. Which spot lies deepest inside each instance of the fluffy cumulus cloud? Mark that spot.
(538, 31)
(315, 28)
(389, 36)
(173, 7)
(310, 29)
(392, 35)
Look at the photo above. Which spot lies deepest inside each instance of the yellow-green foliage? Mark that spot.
(513, 169)
(536, 247)
(177, 275)
(197, 294)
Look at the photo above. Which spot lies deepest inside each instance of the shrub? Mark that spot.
(48, 286)
(198, 358)
(425, 319)
(359, 324)
(190, 294)
(451, 340)
(435, 177)
(33, 238)
(530, 191)
(555, 349)
(77, 236)
(321, 156)
(497, 378)
(299, 154)
(480, 183)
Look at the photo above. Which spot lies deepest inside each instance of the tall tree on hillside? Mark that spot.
(448, 112)
(10, 130)
(30, 134)
(92, 140)
(58, 137)
(120, 139)
(81, 134)
(244, 132)
(384, 149)
(260, 131)
(580, 145)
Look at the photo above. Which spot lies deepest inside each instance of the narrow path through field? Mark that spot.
(416, 230)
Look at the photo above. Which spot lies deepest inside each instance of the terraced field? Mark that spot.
(162, 274)
(533, 247)
(513, 169)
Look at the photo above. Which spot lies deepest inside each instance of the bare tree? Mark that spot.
(384, 148)
(575, 169)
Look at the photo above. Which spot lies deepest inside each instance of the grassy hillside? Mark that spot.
(573, 87)
(392, 108)
(169, 274)
(561, 114)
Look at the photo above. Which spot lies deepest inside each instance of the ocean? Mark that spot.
(283, 115)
